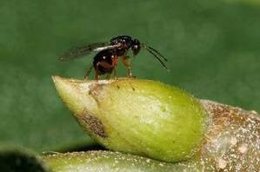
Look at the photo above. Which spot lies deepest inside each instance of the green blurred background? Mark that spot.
(213, 49)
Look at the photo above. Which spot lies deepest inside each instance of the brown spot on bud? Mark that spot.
(93, 124)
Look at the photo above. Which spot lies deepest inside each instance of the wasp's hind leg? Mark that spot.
(127, 63)
(114, 73)
(108, 76)
(88, 72)
(96, 75)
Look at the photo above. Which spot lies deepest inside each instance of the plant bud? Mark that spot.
(107, 161)
(142, 117)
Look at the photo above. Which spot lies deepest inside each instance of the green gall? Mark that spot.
(142, 117)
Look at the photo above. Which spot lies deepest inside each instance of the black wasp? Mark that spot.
(105, 61)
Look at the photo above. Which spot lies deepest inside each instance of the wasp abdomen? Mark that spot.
(105, 62)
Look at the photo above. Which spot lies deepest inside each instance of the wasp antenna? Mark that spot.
(157, 52)
(156, 56)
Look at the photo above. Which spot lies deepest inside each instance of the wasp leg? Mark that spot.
(115, 73)
(112, 74)
(108, 76)
(88, 72)
(96, 75)
(127, 64)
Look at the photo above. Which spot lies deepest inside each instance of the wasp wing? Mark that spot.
(78, 52)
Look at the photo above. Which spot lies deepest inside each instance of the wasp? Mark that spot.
(108, 54)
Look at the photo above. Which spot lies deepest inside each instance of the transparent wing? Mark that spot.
(78, 52)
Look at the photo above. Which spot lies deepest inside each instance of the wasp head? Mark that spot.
(136, 46)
